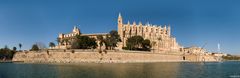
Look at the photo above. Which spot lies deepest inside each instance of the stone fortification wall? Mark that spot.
(203, 58)
(94, 57)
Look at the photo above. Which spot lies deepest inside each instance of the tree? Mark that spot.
(20, 45)
(40, 45)
(6, 47)
(101, 41)
(154, 44)
(112, 39)
(84, 42)
(6, 53)
(107, 42)
(14, 48)
(35, 47)
(58, 41)
(51, 44)
(146, 45)
(134, 42)
(66, 41)
(138, 43)
(93, 43)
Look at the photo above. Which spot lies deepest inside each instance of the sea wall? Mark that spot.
(89, 56)
(201, 58)
(94, 57)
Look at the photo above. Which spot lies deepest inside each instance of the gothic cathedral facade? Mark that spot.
(160, 37)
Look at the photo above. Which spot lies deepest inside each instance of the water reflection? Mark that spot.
(132, 70)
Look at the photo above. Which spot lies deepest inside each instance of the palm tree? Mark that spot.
(114, 39)
(20, 45)
(66, 41)
(35, 47)
(101, 41)
(51, 44)
(14, 48)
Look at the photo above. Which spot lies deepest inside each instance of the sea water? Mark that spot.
(122, 70)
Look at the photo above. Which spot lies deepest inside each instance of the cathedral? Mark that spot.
(160, 36)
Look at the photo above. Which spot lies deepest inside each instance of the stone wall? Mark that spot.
(94, 57)
(202, 58)
(89, 56)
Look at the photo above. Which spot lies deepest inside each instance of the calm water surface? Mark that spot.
(132, 70)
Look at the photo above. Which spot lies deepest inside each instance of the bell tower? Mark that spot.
(120, 24)
(120, 30)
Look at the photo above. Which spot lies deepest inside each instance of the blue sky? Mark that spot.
(193, 22)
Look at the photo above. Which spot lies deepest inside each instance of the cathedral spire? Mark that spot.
(120, 21)
(134, 23)
(119, 15)
(169, 30)
(140, 23)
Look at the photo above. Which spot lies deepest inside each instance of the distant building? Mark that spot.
(219, 54)
(65, 40)
(194, 50)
